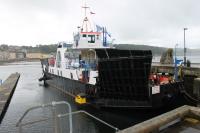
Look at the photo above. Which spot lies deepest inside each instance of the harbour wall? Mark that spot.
(193, 71)
(191, 77)
(165, 120)
(7, 89)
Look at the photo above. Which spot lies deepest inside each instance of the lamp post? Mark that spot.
(175, 50)
(184, 29)
(175, 63)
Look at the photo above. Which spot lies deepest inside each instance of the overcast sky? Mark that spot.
(150, 22)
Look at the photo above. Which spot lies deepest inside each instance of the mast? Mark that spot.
(86, 21)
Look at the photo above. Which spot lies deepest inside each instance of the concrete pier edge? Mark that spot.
(153, 125)
(6, 92)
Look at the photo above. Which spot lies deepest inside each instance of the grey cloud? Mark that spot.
(153, 22)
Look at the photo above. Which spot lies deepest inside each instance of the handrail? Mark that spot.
(30, 109)
(33, 122)
(53, 104)
(56, 118)
(70, 111)
(82, 111)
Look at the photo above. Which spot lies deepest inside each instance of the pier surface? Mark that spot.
(6, 91)
(184, 119)
(170, 69)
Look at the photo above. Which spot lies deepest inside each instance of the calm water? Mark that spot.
(30, 92)
(194, 59)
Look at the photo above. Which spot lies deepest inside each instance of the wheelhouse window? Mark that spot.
(84, 35)
(91, 38)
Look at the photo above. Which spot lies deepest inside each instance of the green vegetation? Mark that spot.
(41, 48)
(155, 50)
(46, 49)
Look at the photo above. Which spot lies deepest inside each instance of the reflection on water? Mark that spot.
(30, 92)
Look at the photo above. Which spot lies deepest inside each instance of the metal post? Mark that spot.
(56, 118)
(20, 128)
(175, 64)
(55, 126)
(184, 29)
(59, 128)
(70, 112)
(103, 38)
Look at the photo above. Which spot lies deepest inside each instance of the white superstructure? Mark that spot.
(78, 61)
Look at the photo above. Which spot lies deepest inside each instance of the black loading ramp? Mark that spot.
(124, 77)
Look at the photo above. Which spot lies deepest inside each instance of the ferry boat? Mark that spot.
(94, 72)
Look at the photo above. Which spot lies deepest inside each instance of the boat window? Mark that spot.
(59, 45)
(91, 38)
(76, 43)
(88, 59)
(71, 75)
(72, 58)
(97, 37)
(84, 35)
(58, 59)
(64, 45)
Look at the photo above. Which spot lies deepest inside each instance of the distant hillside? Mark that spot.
(46, 49)
(193, 52)
(155, 50)
(41, 49)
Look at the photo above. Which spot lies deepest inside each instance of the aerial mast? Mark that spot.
(85, 20)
